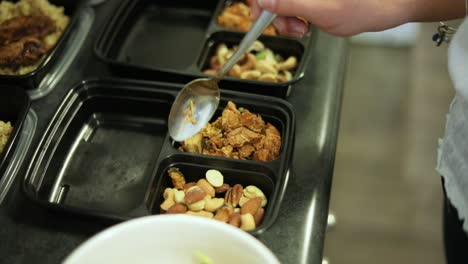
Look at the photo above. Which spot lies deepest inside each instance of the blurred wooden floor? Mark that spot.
(386, 193)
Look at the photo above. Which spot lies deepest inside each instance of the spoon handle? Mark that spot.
(257, 29)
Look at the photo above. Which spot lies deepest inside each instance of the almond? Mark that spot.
(188, 185)
(194, 194)
(259, 216)
(223, 188)
(177, 208)
(223, 214)
(235, 220)
(251, 206)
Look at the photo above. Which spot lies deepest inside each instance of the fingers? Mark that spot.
(290, 26)
(255, 10)
(303, 8)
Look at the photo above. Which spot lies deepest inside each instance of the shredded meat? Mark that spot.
(237, 134)
(252, 121)
(26, 51)
(16, 28)
(21, 40)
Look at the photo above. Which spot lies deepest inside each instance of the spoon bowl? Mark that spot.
(196, 103)
(193, 108)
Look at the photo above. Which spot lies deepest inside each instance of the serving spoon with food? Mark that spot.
(197, 102)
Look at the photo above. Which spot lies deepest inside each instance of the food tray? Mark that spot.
(172, 40)
(33, 79)
(14, 106)
(106, 151)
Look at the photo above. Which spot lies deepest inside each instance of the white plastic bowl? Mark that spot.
(171, 239)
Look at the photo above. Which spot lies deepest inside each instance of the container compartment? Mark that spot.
(103, 149)
(32, 80)
(283, 47)
(238, 19)
(234, 172)
(159, 34)
(277, 114)
(99, 153)
(233, 22)
(14, 106)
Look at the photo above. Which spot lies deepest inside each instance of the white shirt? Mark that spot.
(453, 148)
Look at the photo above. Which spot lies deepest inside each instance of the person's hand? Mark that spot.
(338, 17)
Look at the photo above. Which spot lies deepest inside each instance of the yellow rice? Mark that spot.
(5, 132)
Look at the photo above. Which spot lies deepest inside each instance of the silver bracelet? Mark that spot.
(445, 32)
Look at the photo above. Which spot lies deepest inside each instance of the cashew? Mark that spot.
(256, 46)
(197, 206)
(265, 67)
(251, 75)
(288, 64)
(168, 193)
(284, 76)
(243, 200)
(235, 71)
(250, 62)
(213, 204)
(253, 191)
(210, 72)
(229, 54)
(221, 52)
(247, 222)
(179, 197)
(268, 77)
(214, 63)
(169, 199)
(201, 213)
(214, 177)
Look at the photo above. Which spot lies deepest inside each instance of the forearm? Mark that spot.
(434, 10)
(350, 17)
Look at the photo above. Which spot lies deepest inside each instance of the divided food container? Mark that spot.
(33, 79)
(14, 106)
(174, 40)
(106, 151)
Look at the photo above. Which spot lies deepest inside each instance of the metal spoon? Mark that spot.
(196, 103)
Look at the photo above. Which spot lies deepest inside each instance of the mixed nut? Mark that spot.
(213, 198)
(260, 63)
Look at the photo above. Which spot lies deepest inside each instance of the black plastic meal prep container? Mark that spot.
(14, 107)
(33, 79)
(172, 41)
(107, 150)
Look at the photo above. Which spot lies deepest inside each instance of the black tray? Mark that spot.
(171, 41)
(33, 79)
(14, 106)
(106, 151)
